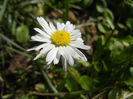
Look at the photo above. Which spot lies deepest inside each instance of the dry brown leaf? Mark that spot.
(93, 30)
(54, 14)
(18, 61)
(72, 17)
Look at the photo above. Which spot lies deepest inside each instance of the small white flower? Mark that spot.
(59, 42)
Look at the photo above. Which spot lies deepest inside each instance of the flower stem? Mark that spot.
(60, 93)
(48, 81)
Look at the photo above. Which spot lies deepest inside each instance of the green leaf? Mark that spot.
(108, 14)
(74, 73)
(121, 26)
(7, 96)
(110, 23)
(83, 96)
(129, 40)
(75, 1)
(100, 41)
(72, 81)
(109, 17)
(84, 63)
(121, 54)
(129, 23)
(131, 71)
(87, 2)
(129, 82)
(113, 94)
(86, 82)
(22, 34)
(100, 8)
(39, 87)
(103, 27)
(129, 2)
(71, 84)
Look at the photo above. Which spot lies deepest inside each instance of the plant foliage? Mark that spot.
(106, 25)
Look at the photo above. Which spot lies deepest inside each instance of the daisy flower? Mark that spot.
(60, 42)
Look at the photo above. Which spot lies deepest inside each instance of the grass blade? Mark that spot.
(11, 42)
(3, 9)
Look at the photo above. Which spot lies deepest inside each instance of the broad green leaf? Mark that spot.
(22, 34)
(71, 84)
(74, 73)
(86, 82)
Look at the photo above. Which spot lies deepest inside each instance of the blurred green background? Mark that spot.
(106, 25)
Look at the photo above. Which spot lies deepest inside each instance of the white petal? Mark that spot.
(69, 27)
(81, 54)
(44, 24)
(61, 51)
(64, 62)
(73, 52)
(52, 27)
(71, 61)
(44, 50)
(63, 58)
(76, 34)
(68, 56)
(79, 40)
(38, 47)
(40, 38)
(57, 58)
(65, 52)
(41, 32)
(51, 55)
(80, 45)
(60, 26)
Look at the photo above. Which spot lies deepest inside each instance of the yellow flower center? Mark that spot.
(61, 38)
